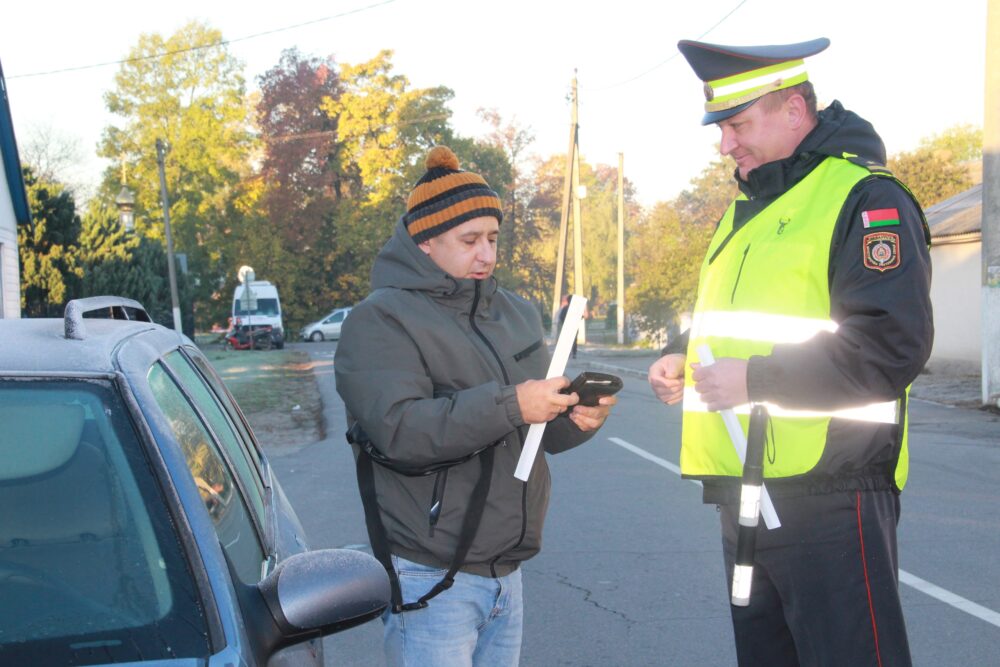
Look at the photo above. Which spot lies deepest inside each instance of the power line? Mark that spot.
(224, 42)
(673, 55)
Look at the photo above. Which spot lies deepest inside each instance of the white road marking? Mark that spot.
(956, 601)
(925, 587)
(663, 463)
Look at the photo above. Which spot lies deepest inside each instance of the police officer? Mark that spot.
(814, 300)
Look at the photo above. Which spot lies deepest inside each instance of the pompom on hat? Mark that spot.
(446, 196)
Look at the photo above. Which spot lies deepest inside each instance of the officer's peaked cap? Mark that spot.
(737, 76)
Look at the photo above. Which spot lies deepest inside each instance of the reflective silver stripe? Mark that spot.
(879, 413)
(765, 327)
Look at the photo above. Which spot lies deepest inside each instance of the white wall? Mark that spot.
(10, 281)
(955, 294)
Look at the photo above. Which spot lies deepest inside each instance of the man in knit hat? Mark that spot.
(814, 300)
(442, 371)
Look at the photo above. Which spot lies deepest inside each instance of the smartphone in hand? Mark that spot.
(590, 386)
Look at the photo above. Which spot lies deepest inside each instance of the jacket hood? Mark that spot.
(401, 264)
(839, 133)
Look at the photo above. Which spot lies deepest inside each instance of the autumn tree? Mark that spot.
(188, 90)
(666, 254)
(291, 209)
(710, 193)
(940, 166)
(385, 129)
(932, 175)
(518, 230)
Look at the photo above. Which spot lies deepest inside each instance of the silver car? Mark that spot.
(327, 328)
(140, 522)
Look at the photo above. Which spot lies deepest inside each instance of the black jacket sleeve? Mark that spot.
(879, 297)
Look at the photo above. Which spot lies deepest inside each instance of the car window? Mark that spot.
(252, 487)
(214, 480)
(91, 568)
(337, 317)
(229, 403)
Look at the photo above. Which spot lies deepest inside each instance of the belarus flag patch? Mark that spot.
(880, 217)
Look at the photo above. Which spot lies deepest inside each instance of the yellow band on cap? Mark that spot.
(733, 91)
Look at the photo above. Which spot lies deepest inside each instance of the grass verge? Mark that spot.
(277, 391)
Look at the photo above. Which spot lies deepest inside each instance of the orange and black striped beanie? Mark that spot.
(445, 197)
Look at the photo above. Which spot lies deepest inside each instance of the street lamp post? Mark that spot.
(126, 209)
(161, 150)
(126, 204)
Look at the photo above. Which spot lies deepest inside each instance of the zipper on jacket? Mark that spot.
(475, 328)
(506, 379)
(437, 497)
(732, 297)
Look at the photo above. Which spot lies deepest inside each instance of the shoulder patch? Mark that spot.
(881, 251)
(880, 217)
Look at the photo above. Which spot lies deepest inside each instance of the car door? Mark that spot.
(331, 325)
(247, 530)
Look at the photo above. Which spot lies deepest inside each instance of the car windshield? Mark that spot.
(264, 308)
(91, 570)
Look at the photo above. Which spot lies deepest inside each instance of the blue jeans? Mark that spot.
(477, 621)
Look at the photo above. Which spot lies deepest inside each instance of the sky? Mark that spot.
(912, 69)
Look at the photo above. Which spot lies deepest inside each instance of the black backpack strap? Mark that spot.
(373, 522)
(377, 535)
(470, 525)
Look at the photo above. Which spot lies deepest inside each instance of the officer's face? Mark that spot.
(468, 250)
(756, 136)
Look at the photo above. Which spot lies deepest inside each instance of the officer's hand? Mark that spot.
(592, 418)
(540, 400)
(666, 377)
(723, 384)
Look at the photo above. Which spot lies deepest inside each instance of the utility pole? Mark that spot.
(581, 336)
(991, 210)
(620, 314)
(564, 218)
(161, 150)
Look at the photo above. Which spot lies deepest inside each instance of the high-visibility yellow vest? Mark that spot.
(768, 283)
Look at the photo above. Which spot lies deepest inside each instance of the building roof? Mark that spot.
(957, 218)
(9, 159)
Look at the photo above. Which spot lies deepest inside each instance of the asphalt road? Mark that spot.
(631, 569)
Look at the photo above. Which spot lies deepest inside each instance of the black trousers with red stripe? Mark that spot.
(825, 587)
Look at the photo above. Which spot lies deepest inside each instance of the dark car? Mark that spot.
(140, 521)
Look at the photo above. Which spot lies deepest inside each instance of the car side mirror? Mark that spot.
(318, 593)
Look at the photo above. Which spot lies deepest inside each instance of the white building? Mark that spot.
(956, 251)
(14, 210)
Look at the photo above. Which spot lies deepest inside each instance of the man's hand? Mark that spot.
(591, 419)
(540, 400)
(723, 384)
(666, 377)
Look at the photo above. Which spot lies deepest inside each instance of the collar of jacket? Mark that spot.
(839, 133)
(401, 264)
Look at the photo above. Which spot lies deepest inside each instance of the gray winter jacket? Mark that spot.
(427, 365)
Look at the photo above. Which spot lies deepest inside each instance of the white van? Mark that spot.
(259, 308)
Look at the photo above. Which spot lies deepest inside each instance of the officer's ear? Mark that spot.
(796, 111)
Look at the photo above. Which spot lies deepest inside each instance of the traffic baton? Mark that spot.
(753, 482)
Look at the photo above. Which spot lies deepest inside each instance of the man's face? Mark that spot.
(755, 136)
(468, 250)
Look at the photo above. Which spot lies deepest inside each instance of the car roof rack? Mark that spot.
(118, 309)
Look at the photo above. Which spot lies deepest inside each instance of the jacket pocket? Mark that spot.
(528, 350)
(437, 499)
